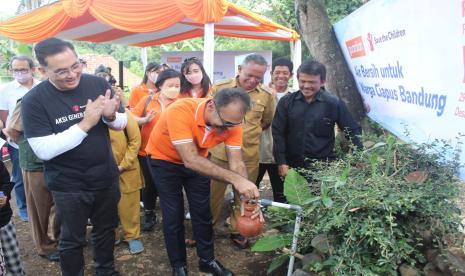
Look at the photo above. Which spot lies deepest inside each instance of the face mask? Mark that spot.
(195, 78)
(22, 78)
(171, 92)
(153, 77)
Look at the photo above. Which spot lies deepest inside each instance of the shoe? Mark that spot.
(149, 221)
(135, 246)
(214, 267)
(23, 216)
(53, 257)
(240, 241)
(180, 271)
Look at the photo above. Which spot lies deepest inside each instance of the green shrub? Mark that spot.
(369, 212)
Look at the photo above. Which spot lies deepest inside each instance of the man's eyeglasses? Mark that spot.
(20, 71)
(63, 73)
(225, 123)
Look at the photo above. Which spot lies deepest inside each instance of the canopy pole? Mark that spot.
(297, 60)
(209, 48)
(143, 56)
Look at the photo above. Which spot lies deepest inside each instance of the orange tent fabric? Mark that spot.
(140, 22)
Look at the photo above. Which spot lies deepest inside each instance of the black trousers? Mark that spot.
(277, 184)
(149, 193)
(73, 210)
(171, 179)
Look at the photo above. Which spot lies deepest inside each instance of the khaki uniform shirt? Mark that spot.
(260, 114)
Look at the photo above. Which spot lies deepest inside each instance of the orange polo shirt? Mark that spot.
(183, 122)
(137, 93)
(146, 129)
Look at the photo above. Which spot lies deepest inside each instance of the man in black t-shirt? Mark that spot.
(66, 120)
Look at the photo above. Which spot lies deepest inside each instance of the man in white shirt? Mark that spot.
(281, 73)
(23, 69)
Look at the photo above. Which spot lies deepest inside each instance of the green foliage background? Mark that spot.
(362, 215)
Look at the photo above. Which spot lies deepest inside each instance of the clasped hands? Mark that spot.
(102, 106)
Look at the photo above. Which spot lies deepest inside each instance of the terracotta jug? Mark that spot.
(247, 226)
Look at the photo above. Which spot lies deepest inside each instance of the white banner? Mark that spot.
(408, 59)
(225, 62)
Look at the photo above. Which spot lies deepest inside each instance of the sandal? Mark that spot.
(190, 242)
(240, 241)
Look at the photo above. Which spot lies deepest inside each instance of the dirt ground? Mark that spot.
(154, 259)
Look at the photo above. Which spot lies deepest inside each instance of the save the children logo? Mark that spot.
(371, 42)
(355, 47)
(385, 37)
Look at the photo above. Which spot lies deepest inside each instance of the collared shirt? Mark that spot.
(184, 122)
(260, 114)
(146, 129)
(9, 95)
(137, 93)
(266, 140)
(304, 130)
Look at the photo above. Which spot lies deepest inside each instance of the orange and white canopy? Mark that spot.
(147, 23)
(141, 22)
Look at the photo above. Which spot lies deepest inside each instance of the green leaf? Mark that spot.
(272, 242)
(276, 263)
(327, 202)
(311, 200)
(327, 178)
(296, 188)
(323, 190)
(339, 183)
(377, 145)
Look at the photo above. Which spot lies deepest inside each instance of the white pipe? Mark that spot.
(209, 48)
(295, 236)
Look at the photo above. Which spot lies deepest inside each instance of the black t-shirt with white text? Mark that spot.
(46, 111)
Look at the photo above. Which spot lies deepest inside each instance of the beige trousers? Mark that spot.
(43, 220)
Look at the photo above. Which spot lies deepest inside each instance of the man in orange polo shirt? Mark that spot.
(178, 147)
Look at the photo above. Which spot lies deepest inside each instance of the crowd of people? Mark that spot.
(82, 155)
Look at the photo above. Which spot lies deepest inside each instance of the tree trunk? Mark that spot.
(318, 34)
